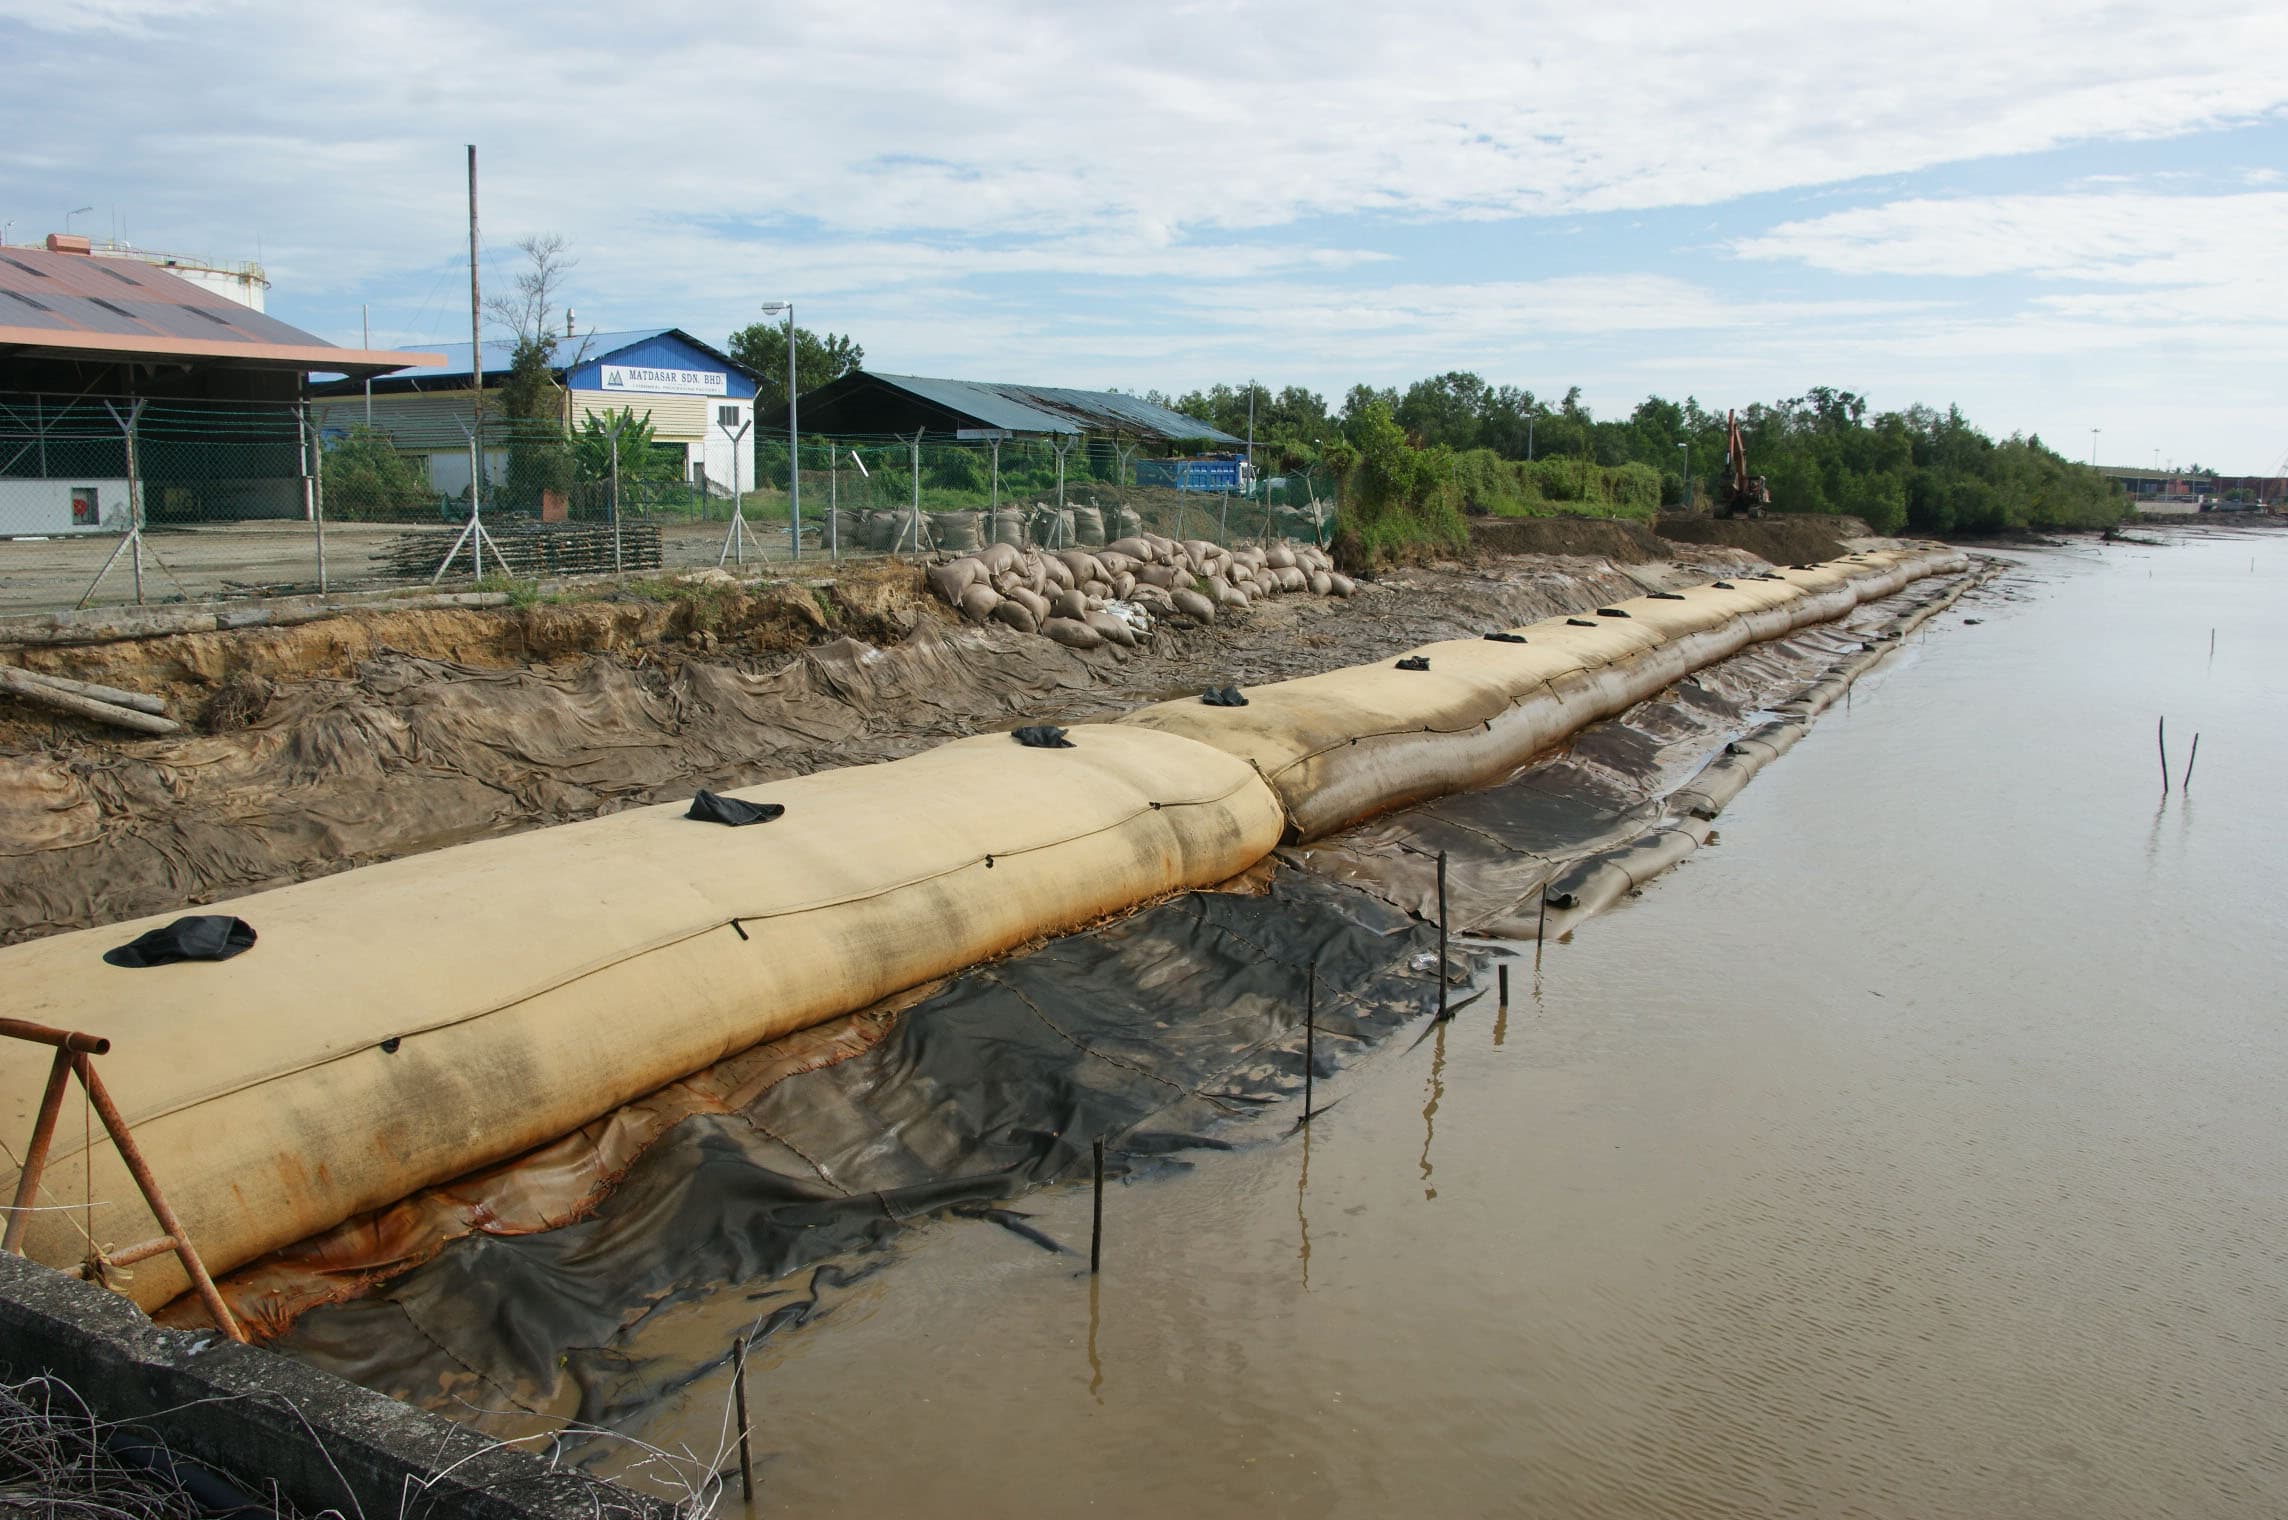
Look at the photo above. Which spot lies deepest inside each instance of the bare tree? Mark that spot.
(529, 311)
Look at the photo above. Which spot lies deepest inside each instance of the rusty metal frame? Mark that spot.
(75, 1054)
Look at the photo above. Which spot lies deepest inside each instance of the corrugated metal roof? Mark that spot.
(1055, 409)
(73, 304)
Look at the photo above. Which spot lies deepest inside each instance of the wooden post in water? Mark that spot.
(1503, 1003)
(1096, 1228)
(2162, 735)
(1541, 929)
(2190, 761)
(739, 1394)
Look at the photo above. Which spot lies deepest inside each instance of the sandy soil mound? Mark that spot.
(375, 735)
(1783, 540)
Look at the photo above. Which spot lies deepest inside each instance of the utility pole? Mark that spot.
(793, 450)
(476, 367)
(365, 340)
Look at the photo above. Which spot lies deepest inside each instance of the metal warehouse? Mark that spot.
(869, 404)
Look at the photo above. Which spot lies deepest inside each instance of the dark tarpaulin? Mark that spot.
(1146, 1032)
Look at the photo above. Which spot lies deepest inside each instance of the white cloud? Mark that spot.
(1002, 118)
(2120, 238)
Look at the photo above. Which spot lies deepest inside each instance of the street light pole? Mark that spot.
(2093, 432)
(1686, 445)
(793, 437)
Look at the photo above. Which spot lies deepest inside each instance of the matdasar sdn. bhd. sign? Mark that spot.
(665, 382)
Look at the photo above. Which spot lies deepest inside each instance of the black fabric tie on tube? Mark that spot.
(201, 937)
(1415, 662)
(1506, 638)
(1223, 696)
(1610, 612)
(709, 808)
(1723, 585)
(1041, 736)
(1579, 623)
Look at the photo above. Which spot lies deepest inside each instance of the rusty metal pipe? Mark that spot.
(143, 1252)
(36, 1159)
(160, 1209)
(66, 1039)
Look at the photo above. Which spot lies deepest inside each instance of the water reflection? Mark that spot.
(1095, 1319)
(1302, 1219)
(1430, 1109)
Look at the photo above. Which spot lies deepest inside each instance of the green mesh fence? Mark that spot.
(244, 499)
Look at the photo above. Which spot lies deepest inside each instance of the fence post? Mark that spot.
(917, 509)
(314, 484)
(613, 433)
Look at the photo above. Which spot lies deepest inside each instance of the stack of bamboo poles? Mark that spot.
(528, 550)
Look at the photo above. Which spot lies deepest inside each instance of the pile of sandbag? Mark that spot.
(1066, 593)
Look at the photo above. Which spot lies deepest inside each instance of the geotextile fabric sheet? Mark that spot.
(407, 1022)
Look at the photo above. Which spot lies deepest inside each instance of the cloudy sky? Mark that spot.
(2062, 217)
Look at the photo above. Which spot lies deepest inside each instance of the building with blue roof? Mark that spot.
(700, 401)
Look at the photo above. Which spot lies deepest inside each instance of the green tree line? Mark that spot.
(1414, 461)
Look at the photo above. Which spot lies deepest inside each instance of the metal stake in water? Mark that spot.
(739, 1393)
(1443, 1013)
(1096, 1227)
(1310, 1034)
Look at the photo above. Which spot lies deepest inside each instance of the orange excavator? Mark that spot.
(1745, 495)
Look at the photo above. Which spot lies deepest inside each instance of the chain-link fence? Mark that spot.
(106, 502)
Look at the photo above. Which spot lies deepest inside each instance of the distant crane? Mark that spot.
(1743, 495)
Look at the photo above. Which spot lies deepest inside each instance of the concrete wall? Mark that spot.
(257, 1416)
(45, 506)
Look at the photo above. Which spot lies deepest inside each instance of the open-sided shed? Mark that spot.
(126, 390)
(868, 404)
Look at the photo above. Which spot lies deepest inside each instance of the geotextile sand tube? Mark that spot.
(398, 1025)
(1343, 746)
(405, 1023)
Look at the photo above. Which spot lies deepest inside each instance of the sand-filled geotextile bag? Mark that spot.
(1343, 746)
(404, 1023)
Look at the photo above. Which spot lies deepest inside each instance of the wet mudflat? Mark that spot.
(1916, 1151)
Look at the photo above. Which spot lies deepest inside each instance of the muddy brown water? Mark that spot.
(1917, 1151)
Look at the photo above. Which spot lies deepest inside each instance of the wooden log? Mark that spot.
(116, 696)
(22, 685)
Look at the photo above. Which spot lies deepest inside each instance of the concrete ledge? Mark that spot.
(327, 1443)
